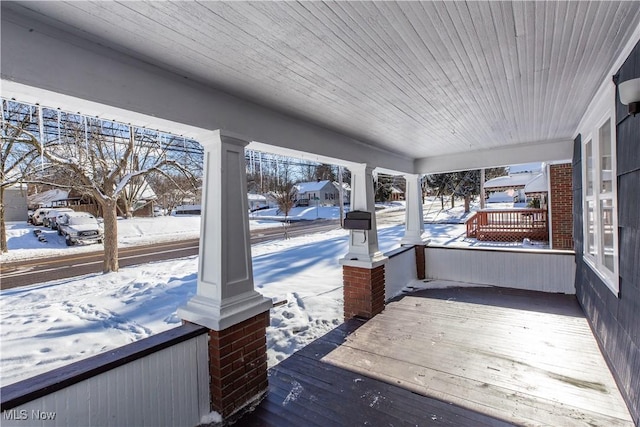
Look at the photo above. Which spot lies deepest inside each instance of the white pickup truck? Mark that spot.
(79, 227)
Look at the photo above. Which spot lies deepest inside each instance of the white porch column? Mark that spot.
(225, 294)
(414, 222)
(363, 244)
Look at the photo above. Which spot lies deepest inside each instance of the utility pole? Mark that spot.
(482, 188)
(341, 195)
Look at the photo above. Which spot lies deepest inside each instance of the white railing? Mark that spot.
(536, 270)
(159, 381)
(399, 271)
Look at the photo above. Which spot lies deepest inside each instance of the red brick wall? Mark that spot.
(363, 291)
(560, 180)
(238, 364)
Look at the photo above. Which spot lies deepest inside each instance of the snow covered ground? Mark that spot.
(51, 324)
(297, 214)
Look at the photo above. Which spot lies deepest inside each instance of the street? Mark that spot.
(28, 272)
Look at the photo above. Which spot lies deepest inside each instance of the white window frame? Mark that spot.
(603, 109)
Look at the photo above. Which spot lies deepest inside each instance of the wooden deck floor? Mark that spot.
(458, 357)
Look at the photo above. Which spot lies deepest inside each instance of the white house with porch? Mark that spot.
(401, 88)
(323, 193)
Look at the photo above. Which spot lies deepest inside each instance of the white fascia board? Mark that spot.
(46, 65)
(545, 151)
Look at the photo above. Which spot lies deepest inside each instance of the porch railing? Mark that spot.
(535, 269)
(159, 380)
(509, 225)
(399, 271)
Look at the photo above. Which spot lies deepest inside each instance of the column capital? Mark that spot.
(224, 136)
(412, 176)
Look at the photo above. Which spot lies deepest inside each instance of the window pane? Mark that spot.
(606, 165)
(606, 231)
(591, 224)
(589, 168)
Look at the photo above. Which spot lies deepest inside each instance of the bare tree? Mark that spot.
(324, 172)
(285, 196)
(383, 187)
(173, 189)
(99, 159)
(283, 189)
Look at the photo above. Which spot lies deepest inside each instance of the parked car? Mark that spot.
(38, 216)
(79, 227)
(50, 218)
(30, 216)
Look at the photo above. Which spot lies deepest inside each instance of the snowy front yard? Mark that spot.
(51, 324)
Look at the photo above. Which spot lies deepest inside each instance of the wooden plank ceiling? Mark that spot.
(418, 78)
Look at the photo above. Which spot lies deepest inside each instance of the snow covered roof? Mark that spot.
(537, 184)
(518, 180)
(256, 197)
(18, 186)
(147, 192)
(396, 190)
(345, 186)
(305, 187)
(526, 168)
(47, 197)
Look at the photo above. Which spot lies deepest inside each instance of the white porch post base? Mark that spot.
(210, 313)
(424, 241)
(374, 261)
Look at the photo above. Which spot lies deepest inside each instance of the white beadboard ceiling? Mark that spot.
(418, 78)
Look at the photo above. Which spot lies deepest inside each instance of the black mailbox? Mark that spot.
(358, 220)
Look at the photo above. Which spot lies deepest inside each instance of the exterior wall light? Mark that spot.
(630, 95)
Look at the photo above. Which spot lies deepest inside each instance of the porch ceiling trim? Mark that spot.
(533, 152)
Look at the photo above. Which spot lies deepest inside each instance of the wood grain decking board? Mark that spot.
(305, 391)
(493, 352)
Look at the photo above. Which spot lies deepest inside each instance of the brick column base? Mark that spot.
(363, 291)
(238, 364)
(420, 261)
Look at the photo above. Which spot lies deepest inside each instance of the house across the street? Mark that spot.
(256, 201)
(321, 192)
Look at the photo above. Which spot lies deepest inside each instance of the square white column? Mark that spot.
(363, 244)
(225, 293)
(414, 221)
